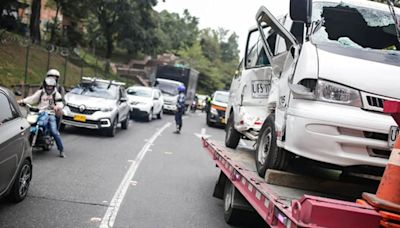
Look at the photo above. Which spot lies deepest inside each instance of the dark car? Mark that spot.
(15, 150)
(216, 111)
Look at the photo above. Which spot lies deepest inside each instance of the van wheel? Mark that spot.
(268, 154)
(232, 216)
(21, 184)
(232, 136)
(62, 127)
(209, 123)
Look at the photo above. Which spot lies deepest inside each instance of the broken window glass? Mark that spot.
(355, 26)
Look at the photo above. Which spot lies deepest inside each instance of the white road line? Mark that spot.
(112, 210)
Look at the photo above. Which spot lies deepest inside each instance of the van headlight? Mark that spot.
(335, 93)
(213, 111)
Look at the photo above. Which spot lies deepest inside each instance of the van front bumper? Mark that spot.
(337, 134)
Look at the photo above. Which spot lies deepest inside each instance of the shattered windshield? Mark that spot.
(354, 26)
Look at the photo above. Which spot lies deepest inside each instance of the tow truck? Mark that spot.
(284, 199)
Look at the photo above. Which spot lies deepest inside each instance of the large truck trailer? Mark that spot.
(188, 76)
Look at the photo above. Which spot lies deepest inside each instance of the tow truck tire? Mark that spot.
(268, 154)
(232, 136)
(232, 215)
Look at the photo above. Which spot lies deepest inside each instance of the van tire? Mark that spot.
(232, 136)
(268, 154)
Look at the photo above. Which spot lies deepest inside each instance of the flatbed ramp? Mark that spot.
(286, 199)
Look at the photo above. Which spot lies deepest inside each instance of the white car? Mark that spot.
(97, 104)
(145, 102)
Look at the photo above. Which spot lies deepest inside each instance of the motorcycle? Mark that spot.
(193, 106)
(40, 137)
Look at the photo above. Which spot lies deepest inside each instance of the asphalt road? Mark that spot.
(146, 176)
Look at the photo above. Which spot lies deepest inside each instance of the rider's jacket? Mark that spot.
(45, 102)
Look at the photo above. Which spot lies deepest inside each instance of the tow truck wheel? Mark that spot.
(268, 154)
(232, 137)
(232, 216)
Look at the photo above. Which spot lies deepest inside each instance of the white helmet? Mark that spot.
(53, 73)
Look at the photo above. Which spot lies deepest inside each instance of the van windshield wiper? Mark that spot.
(396, 21)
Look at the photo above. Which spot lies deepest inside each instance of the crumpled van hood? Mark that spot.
(368, 71)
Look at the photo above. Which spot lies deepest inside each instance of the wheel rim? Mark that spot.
(228, 199)
(265, 146)
(24, 180)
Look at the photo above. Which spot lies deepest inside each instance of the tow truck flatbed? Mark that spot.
(285, 206)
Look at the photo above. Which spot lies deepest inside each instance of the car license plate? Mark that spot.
(80, 118)
(260, 88)
(393, 132)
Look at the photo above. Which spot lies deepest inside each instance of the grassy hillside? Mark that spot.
(13, 59)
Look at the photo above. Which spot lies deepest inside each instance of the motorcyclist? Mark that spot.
(180, 108)
(48, 100)
(53, 73)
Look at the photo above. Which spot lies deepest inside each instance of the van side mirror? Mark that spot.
(300, 91)
(300, 11)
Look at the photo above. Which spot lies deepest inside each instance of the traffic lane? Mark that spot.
(174, 183)
(40, 212)
(89, 175)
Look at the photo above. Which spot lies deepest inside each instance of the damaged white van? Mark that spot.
(333, 63)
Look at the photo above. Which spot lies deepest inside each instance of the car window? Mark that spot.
(7, 112)
(256, 56)
(139, 91)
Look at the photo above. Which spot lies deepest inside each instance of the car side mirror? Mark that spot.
(123, 99)
(156, 98)
(300, 11)
(17, 93)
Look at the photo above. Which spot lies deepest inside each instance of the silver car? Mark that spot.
(97, 104)
(15, 150)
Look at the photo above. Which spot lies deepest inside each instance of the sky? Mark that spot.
(234, 15)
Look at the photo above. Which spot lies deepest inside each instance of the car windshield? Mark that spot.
(168, 88)
(354, 26)
(140, 92)
(99, 90)
(221, 97)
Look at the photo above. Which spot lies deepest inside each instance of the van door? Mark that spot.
(283, 52)
(255, 82)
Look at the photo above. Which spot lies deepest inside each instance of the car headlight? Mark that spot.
(335, 93)
(214, 111)
(108, 109)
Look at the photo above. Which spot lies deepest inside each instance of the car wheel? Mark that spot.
(125, 123)
(21, 184)
(150, 115)
(232, 136)
(209, 123)
(112, 130)
(268, 154)
(160, 114)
